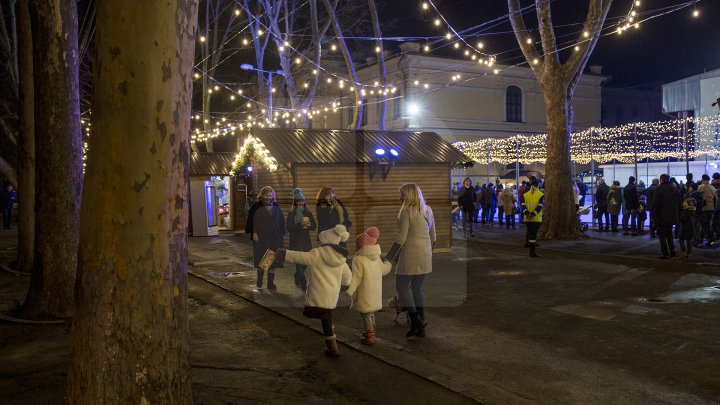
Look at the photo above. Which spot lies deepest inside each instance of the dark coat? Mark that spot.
(601, 197)
(665, 204)
(327, 217)
(300, 236)
(269, 225)
(650, 194)
(467, 199)
(630, 195)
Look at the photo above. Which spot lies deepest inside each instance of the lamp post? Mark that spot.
(247, 66)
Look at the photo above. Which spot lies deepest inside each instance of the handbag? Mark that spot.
(515, 209)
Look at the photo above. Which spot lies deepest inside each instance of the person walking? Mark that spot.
(330, 210)
(601, 201)
(365, 288)
(665, 207)
(632, 203)
(7, 201)
(466, 201)
(532, 210)
(509, 200)
(613, 205)
(328, 274)
(415, 239)
(300, 221)
(266, 224)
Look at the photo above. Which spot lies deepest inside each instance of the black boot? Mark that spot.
(271, 278)
(260, 274)
(417, 326)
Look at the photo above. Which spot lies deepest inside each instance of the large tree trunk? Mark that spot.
(559, 221)
(58, 156)
(26, 142)
(129, 339)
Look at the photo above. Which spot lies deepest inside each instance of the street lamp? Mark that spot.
(247, 66)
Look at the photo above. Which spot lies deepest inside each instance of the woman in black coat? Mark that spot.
(665, 206)
(466, 201)
(330, 210)
(266, 224)
(300, 221)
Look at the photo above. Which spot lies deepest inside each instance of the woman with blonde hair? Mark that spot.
(415, 240)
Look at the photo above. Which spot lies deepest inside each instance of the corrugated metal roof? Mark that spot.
(211, 164)
(346, 146)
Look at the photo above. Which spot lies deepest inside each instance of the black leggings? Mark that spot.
(327, 326)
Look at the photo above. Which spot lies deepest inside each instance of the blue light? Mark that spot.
(249, 168)
(380, 152)
(394, 152)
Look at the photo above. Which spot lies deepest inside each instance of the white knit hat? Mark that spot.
(334, 236)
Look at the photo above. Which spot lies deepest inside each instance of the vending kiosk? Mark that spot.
(203, 206)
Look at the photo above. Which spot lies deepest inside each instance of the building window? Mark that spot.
(513, 104)
(365, 112)
(396, 107)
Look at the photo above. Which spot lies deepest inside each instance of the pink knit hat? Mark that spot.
(367, 238)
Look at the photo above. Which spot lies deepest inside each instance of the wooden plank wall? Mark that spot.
(376, 201)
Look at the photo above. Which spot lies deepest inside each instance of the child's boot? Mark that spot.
(332, 349)
(271, 281)
(368, 337)
(260, 274)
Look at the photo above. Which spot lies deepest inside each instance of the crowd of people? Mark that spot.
(686, 211)
(324, 272)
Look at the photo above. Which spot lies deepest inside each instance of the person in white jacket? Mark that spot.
(327, 274)
(368, 270)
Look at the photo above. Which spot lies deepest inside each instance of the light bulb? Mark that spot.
(437, 22)
(333, 47)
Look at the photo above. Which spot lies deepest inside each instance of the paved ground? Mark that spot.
(599, 320)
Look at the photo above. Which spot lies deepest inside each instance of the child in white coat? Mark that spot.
(327, 273)
(366, 285)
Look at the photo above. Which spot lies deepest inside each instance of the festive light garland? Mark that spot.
(626, 143)
(253, 149)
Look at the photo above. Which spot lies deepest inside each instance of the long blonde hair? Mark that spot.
(412, 199)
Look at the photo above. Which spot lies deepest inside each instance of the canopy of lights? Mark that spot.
(677, 139)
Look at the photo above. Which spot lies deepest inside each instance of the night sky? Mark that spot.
(664, 49)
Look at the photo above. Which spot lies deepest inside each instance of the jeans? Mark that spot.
(630, 214)
(614, 222)
(603, 213)
(508, 219)
(705, 218)
(468, 221)
(501, 213)
(409, 288)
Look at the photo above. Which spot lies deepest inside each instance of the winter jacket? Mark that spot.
(509, 200)
(467, 198)
(366, 285)
(500, 201)
(268, 222)
(630, 195)
(666, 202)
(708, 193)
(614, 200)
(533, 205)
(416, 235)
(328, 216)
(650, 194)
(299, 235)
(327, 271)
(601, 197)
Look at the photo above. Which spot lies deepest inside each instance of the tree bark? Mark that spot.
(26, 142)
(129, 340)
(58, 157)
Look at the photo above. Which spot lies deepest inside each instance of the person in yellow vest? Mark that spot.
(532, 211)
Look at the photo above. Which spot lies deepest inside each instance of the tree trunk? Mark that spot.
(559, 221)
(26, 142)
(129, 341)
(58, 157)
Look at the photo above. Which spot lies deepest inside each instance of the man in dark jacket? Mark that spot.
(665, 203)
(466, 202)
(649, 194)
(601, 202)
(632, 203)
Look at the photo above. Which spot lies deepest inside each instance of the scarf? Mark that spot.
(341, 217)
(299, 211)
